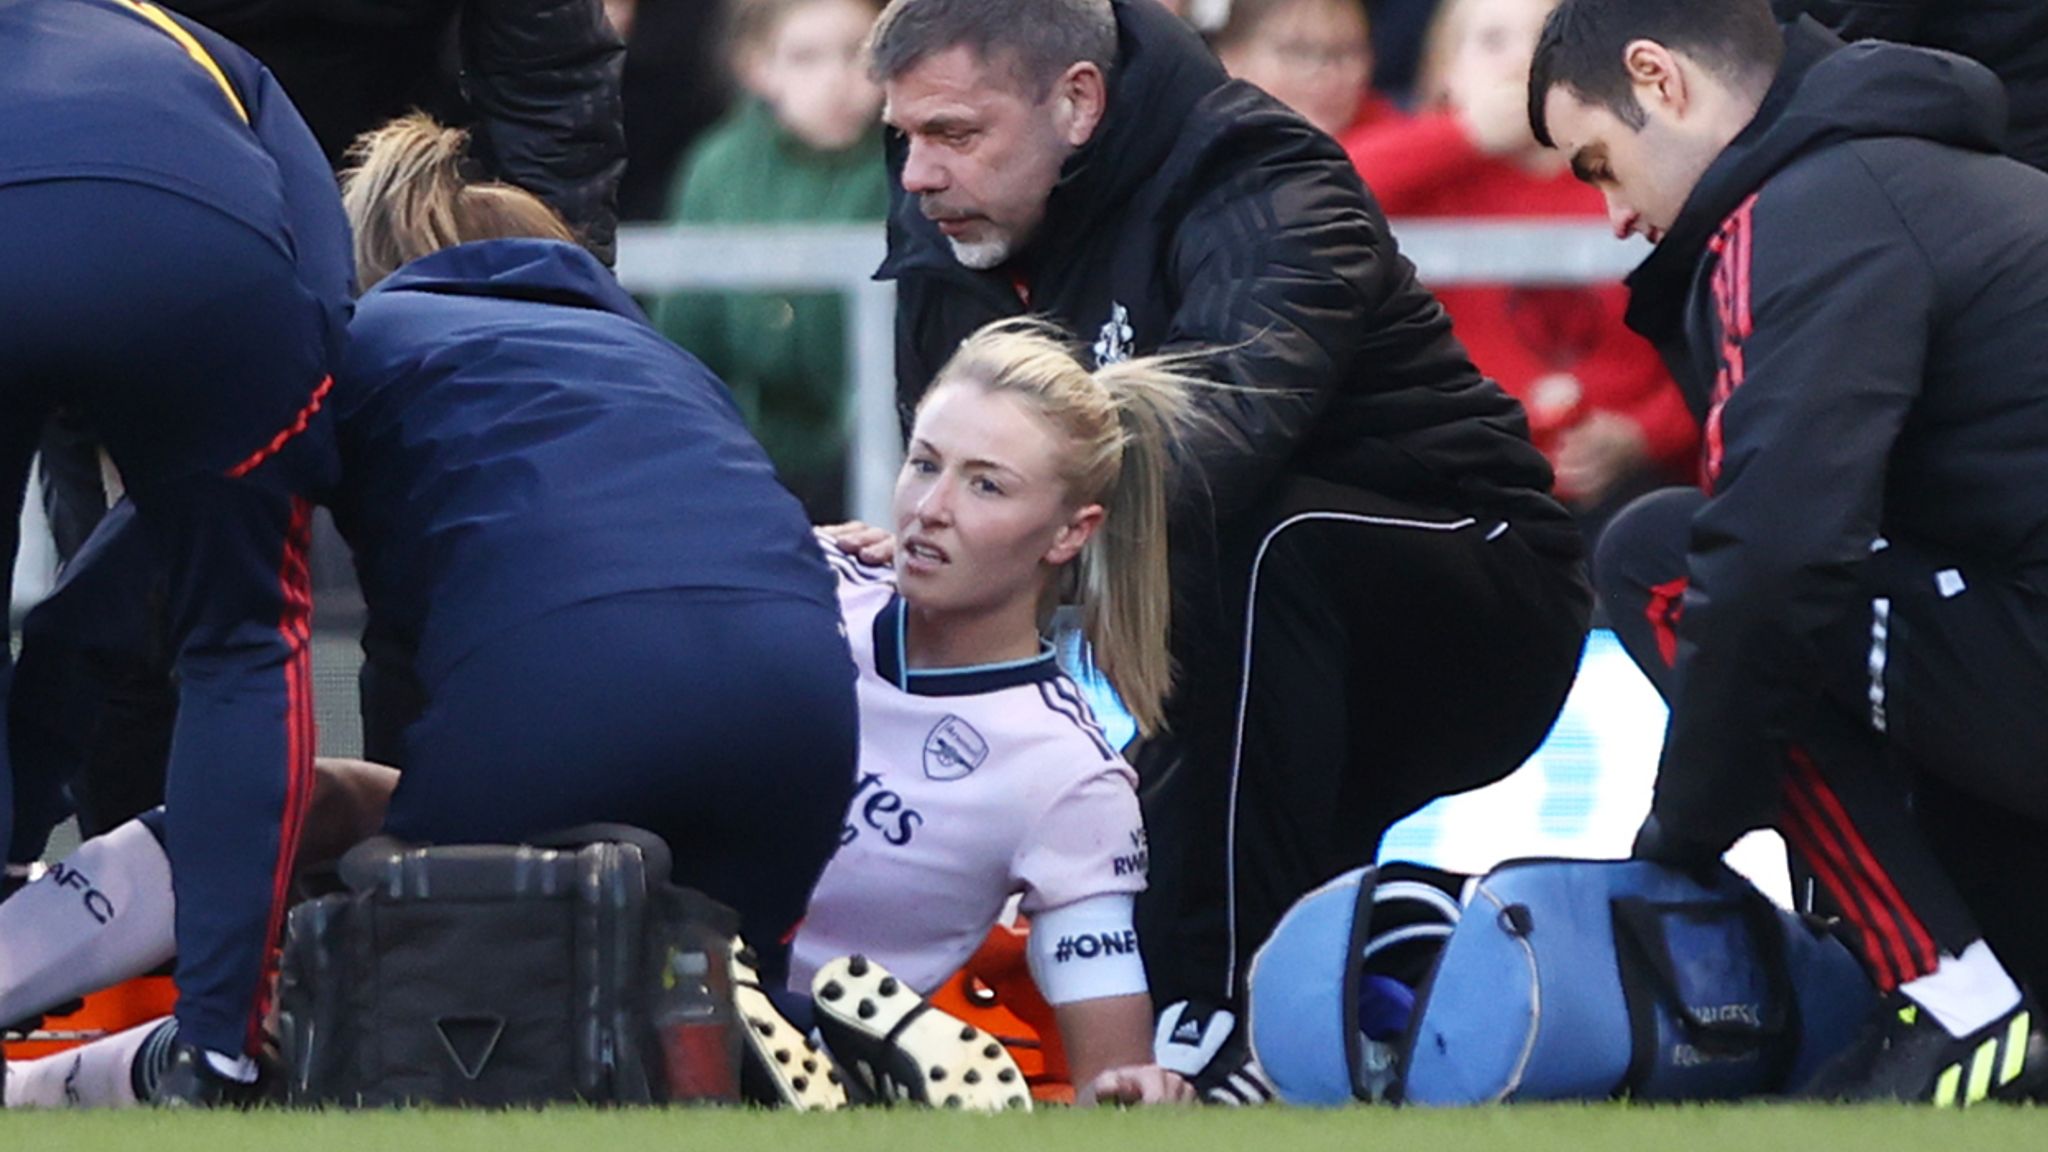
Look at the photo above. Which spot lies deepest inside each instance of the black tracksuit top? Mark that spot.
(1855, 300)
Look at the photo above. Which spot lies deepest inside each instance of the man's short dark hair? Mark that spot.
(1038, 39)
(1583, 41)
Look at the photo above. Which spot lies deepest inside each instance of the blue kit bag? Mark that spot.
(1561, 980)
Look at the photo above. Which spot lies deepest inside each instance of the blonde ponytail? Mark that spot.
(1121, 422)
(406, 196)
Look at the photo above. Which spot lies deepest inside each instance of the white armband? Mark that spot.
(1087, 950)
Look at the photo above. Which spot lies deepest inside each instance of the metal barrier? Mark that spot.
(655, 259)
(842, 258)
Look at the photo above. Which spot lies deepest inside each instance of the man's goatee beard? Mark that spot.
(980, 255)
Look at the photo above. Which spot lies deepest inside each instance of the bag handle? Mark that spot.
(653, 849)
(361, 867)
(1641, 922)
(1639, 929)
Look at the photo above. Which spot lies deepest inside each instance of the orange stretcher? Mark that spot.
(994, 992)
(103, 1013)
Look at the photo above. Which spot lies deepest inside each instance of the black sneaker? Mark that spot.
(1905, 1054)
(779, 1065)
(190, 1082)
(891, 1041)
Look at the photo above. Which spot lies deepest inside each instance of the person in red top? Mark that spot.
(1315, 56)
(1601, 405)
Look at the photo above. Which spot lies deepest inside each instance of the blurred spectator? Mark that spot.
(1600, 403)
(677, 86)
(1399, 29)
(2008, 36)
(1315, 56)
(538, 86)
(805, 145)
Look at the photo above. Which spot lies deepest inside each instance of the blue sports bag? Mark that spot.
(1561, 980)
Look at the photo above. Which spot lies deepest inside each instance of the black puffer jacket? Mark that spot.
(1205, 214)
(2008, 36)
(1856, 296)
(539, 83)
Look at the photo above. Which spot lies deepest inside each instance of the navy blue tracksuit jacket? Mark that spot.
(516, 439)
(613, 610)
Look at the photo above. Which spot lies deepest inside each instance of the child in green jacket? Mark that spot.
(805, 147)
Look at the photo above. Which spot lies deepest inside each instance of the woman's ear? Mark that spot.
(1082, 524)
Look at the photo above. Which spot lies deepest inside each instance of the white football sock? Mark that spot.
(1967, 992)
(96, 1075)
(101, 915)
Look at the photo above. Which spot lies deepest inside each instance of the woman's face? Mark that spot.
(811, 72)
(981, 511)
(1313, 56)
(1495, 41)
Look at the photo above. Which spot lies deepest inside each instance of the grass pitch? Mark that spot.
(1590, 1128)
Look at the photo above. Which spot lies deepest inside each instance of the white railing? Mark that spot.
(655, 259)
(842, 258)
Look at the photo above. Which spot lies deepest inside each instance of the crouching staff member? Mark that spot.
(982, 773)
(176, 271)
(1850, 281)
(1376, 602)
(572, 552)
(611, 609)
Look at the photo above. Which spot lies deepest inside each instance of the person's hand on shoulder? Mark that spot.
(865, 542)
(1136, 1084)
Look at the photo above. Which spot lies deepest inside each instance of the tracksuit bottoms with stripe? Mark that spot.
(192, 346)
(174, 267)
(1915, 801)
(1365, 656)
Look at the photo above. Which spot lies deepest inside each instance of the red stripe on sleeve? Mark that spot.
(1729, 285)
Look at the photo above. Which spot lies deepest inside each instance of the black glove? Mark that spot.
(1661, 845)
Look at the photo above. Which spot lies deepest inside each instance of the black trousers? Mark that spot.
(1915, 797)
(1355, 658)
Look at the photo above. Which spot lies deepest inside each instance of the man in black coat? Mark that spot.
(1850, 619)
(1376, 600)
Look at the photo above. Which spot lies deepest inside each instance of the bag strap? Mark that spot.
(1354, 974)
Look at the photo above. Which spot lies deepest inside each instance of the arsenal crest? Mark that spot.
(953, 750)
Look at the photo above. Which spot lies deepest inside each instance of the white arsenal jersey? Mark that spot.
(974, 784)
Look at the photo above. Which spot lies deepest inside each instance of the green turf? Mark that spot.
(1598, 1128)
